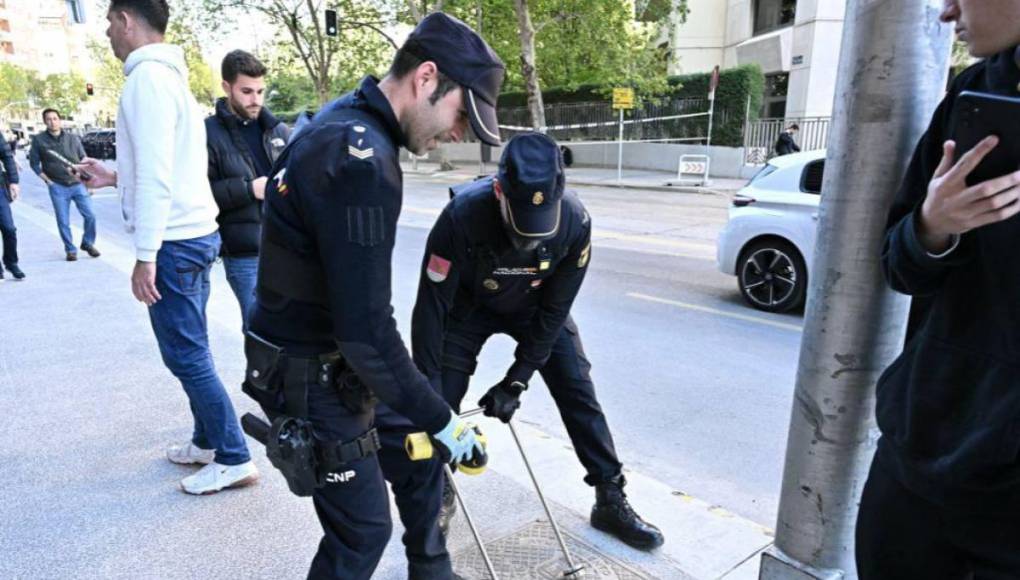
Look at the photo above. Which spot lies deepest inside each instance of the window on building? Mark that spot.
(772, 14)
(7, 47)
(5, 25)
(773, 104)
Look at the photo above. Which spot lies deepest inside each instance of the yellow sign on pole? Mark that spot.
(623, 98)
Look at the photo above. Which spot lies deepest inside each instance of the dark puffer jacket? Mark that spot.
(231, 171)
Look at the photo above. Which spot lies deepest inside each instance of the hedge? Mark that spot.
(735, 85)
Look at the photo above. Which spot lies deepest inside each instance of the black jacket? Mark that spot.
(786, 145)
(949, 406)
(231, 171)
(325, 267)
(8, 166)
(470, 264)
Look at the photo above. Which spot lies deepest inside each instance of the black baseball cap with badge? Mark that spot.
(531, 179)
(462, 55)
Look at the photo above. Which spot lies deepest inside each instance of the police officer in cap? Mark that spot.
(508, 255)
(323, 344)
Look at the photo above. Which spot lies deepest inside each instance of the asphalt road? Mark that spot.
(697, 386)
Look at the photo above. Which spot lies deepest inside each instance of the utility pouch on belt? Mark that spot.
(263, 362)
(279, 383)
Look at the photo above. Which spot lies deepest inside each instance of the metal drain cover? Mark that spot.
(532, 553)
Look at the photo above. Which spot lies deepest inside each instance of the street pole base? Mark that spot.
(775, 565)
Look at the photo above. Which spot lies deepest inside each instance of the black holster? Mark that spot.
(279, 383)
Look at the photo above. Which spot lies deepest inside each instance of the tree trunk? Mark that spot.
(528, 67)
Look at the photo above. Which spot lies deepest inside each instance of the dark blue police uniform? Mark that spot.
(508, 255)
(475, 283)
(331, 212)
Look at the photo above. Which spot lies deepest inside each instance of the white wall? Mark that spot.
(726, 161)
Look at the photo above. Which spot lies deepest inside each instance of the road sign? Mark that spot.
(623, 98)
(692, 170)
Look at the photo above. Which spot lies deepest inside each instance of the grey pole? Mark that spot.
(892, 74)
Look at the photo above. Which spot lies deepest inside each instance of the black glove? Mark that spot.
(503, 399)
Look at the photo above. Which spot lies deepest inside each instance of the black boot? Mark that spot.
(612, 514)
(448, 508)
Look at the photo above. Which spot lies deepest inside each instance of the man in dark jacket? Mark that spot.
(785, 144)
(49, 156)
(244, 139)
(942, 500)
(9, 191)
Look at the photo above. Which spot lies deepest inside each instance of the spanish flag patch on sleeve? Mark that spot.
(438, 268)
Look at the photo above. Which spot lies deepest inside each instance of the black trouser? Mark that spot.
(7, 230)
(901, 536)
(566, 373)
(418, 490)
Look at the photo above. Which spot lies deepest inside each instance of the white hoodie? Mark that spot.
(162, 162)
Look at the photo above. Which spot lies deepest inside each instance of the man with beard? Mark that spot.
(322, 342)
(244, 140)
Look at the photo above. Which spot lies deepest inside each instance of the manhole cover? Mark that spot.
(532, 553)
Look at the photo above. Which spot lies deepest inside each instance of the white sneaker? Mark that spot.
(188, 453)
(215, 477)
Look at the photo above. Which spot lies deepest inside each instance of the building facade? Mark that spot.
(795, 42)
(47, 37)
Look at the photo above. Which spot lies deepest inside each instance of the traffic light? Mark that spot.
(331, 23)
(88, 89)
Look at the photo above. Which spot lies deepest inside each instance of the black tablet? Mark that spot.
(978, 115)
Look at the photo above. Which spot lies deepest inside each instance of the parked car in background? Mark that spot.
(100, 144)
(769, 238)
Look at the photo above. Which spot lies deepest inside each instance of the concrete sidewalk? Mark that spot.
(648, 180)
(87, 493)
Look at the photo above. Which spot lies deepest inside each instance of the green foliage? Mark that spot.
(331, 63)
(200, 75)
(577, 42)
(63, 92)
(735, 86)
(18, 86)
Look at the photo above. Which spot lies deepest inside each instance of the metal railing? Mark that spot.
(690, 129)
(760, 136)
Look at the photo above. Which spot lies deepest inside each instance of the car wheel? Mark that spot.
(772, 276)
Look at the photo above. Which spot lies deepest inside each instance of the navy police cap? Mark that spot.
(462, 55)
(531, 177)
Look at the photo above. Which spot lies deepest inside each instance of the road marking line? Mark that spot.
(716, 311)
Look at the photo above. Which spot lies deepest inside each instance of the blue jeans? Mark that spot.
(7, 230)
(179, 322)
(61, 196)
(242, 272)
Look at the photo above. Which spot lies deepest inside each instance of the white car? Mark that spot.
(769, 238)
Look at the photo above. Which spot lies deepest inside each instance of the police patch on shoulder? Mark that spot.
(438, 268)
(585, 256)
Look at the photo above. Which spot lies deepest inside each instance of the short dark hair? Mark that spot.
(155, 13)
(794, 126)
(405, 61)
(48, 111)
(239, 62)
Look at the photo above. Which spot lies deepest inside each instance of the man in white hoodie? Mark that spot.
(169, 209)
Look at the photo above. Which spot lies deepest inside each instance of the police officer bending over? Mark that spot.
(508, 255)
(323, 342)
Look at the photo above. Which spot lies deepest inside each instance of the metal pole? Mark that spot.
(481, 146)
(891, 75)
(470, 522)
(573, 568)
(619, 155)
